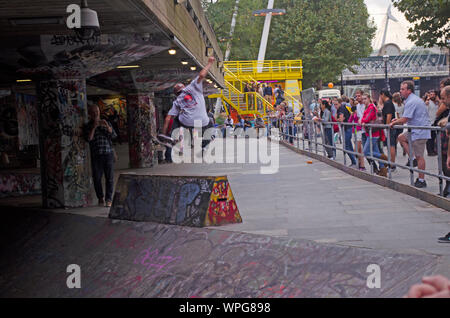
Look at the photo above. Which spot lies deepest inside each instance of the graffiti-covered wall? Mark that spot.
(65, 154)
(19, 184)
(18, 131)
(141, 130)
(27, 119)
(179, 200)
(8, 131)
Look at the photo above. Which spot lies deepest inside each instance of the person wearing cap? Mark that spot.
(189, 105)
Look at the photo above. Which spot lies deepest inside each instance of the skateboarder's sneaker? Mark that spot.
(445, 239)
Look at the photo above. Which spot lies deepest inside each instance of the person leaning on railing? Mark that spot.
(372, 137)
(442, 111)
(415, 114)
(360, 137)
(327, 127)
(388, 116)
(343, 116)
(445, 98)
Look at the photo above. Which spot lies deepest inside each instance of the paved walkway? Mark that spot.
(319, 203)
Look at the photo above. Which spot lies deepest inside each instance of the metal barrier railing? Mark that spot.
(306, 131)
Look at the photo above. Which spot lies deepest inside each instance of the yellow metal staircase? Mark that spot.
(265, 71)
(237, 73)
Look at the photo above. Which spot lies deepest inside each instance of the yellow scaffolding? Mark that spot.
(237, 73)
(265, 71)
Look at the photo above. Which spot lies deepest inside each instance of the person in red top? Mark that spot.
(369, 117)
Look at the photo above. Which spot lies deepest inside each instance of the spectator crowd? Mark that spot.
(398, 117)
(349, 120)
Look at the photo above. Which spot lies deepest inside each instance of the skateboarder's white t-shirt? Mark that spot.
(190, 105)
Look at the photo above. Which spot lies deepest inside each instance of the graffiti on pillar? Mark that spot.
(27, 119)
(141, 130)
(72, 97)
(107, 107)
(66, 165)
(222, 206)
(18, 184)
(50, 139)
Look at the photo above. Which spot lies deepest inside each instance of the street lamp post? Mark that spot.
(448, 54)
(267, 13)
(386, 79)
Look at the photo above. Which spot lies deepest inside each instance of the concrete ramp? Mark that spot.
(178, 200)
(136, 259)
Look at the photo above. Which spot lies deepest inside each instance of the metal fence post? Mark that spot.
(315, 137)
(343, 142)
(441, 173)
(371, 150)
(411, 152)
(355, 137)
(333, 144)
(389, 153)
(303, 133)
(322, 133)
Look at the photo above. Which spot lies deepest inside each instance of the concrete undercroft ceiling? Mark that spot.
(130, 34)
(115, 16)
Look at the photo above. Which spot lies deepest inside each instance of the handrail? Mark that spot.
(258, 99)
(281, 69)
(293, 99)
(300, 134)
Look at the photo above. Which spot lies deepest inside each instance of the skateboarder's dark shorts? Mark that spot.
(205, 142)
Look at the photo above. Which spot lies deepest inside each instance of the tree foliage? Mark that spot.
(328, 35)
(430, 19)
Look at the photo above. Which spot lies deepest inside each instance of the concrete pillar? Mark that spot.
(141, 129)
(65, 159)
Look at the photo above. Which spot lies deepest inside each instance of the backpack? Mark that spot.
(377, 121)
(335, 127)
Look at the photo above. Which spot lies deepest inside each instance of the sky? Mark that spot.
(397, 31)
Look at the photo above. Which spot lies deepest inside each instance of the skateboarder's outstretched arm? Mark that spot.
(203, 73)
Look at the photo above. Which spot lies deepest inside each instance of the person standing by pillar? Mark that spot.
(99, 133)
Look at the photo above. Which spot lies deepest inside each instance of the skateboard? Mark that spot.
(165, 140)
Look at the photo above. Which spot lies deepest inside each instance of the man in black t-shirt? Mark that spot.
(388, 116)
(343, 115)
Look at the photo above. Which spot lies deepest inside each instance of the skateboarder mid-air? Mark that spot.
(189, 106)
